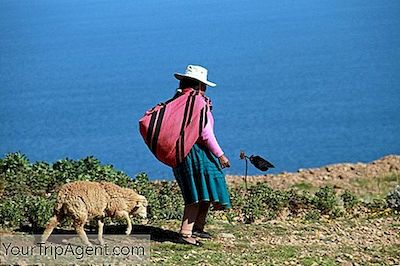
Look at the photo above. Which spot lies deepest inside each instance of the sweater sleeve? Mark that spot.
(208, 138)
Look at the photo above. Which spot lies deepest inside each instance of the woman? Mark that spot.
(200, 175)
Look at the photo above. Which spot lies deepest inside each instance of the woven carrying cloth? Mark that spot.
(200, 178)
(171, 129)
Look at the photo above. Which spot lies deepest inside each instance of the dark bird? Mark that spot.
(260, 163)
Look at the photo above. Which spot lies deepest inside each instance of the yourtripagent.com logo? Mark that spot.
(68, 249)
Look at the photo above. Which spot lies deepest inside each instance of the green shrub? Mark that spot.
(238, 201)
(393, 198)
(252, 209)
(14, 172)
(164, 198)
(299, 202)
(41, 178)
(325, 199)
(39, 210)
(336, 213)
(12, 211)
(259, 201)
(376, 205)
(170, 200)
(28, 192)
(349, 200)
(312, 215)
(90, 169)
(21, 209)
(14, 163)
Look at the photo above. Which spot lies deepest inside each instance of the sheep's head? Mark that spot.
(140, 208)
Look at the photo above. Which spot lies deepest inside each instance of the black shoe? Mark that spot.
(202, 234)
(184, 240)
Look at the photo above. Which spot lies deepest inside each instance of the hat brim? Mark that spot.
(180, 76)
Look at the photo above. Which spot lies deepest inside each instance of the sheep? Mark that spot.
(85, 200)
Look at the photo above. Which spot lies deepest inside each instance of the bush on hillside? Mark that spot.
(28, 192)
(325, 200)
(393, 198)
(349, 200)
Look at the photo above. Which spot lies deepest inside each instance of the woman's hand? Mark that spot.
(224, 161)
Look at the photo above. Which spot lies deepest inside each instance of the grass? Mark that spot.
(391, 178)
(374, 187)
(372, 240)
(318, 261)
(303, 185)
(291, 241)
(239, 252)
(395, 225)
(364, 235)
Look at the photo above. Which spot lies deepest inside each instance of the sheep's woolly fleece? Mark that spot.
(99, 199)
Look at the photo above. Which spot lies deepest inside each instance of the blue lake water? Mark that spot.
(302, 83)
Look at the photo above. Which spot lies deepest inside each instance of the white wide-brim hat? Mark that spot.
(196, 72)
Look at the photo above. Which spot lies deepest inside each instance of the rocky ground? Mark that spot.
(345, 242)
(354, 239)
(360, 178)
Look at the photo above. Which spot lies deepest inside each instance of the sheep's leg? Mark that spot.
(50, 227)
(125, 215)
(79, 224)
(100, 233)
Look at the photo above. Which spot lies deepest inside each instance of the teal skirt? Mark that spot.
(200, 178)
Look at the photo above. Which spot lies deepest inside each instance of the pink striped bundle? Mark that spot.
(171, 129)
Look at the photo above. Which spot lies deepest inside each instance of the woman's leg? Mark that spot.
(189, 217)
(201, 216)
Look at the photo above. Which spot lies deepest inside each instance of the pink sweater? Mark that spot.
(208, 139)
